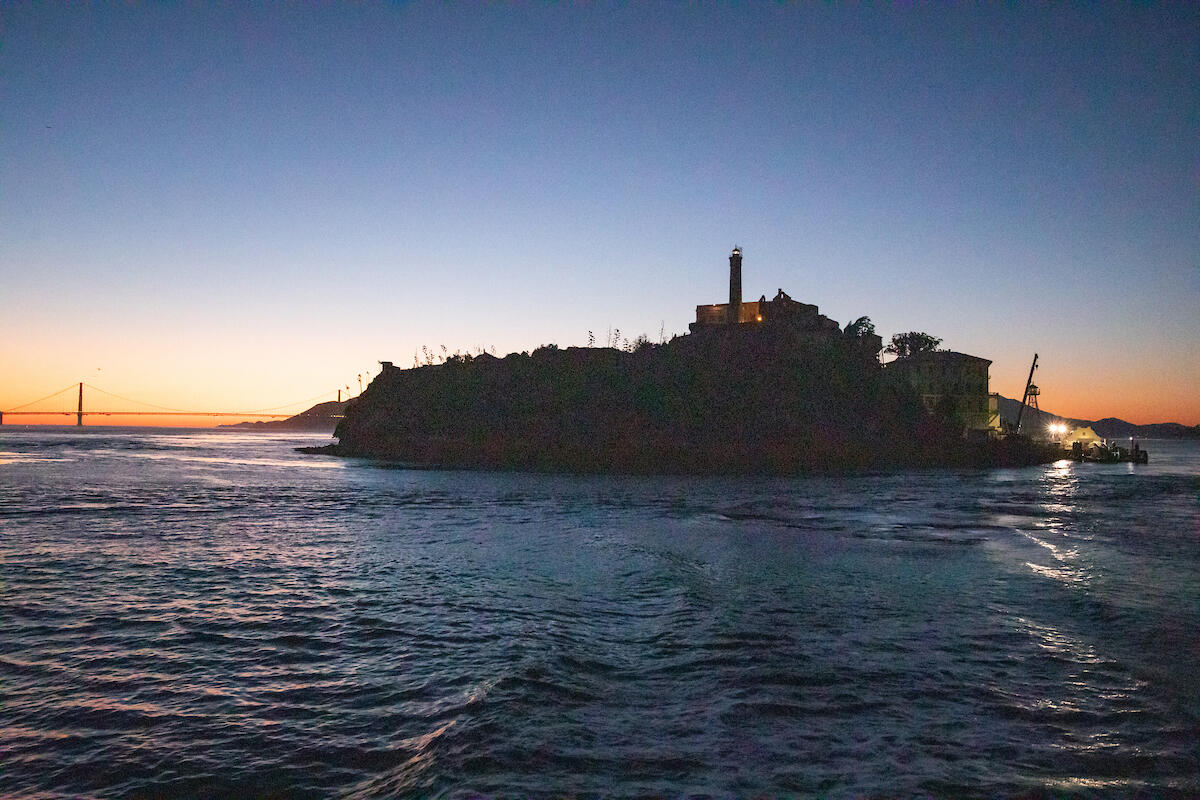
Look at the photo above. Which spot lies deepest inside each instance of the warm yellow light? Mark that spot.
(759, 318)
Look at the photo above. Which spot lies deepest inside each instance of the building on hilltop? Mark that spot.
(780, 311)
(951, 384)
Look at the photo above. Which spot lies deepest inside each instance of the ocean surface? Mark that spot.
(210, 614)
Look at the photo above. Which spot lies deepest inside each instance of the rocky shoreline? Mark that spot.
(978, 456)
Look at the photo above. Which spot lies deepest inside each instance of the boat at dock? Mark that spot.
(1107, 453)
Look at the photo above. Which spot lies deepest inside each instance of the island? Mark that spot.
(766, 386)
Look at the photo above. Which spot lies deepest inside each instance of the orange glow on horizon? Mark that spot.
(1139, 407)
(1137, 390)
(1080, 391)
(125, 420)
(1140, 410)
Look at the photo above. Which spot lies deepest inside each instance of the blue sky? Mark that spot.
(248, 205)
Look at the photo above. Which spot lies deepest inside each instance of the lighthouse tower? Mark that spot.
(735, 286)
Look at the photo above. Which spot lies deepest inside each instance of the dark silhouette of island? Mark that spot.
(730, 401)
(767, 386)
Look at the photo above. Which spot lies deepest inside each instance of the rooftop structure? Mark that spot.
(781, 310)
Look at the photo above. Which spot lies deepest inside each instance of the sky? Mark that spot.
(231, 208)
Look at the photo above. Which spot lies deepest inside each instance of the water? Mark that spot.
(211, 614)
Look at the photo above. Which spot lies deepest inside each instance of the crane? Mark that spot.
(1030, 391)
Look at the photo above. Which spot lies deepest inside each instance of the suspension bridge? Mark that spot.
(159, 411)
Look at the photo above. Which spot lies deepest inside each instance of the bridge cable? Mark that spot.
(47, 397)
(139, 402)
(181, 411)
(298, 402)
(153, 405)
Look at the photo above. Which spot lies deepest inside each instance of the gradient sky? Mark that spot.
(229, 208)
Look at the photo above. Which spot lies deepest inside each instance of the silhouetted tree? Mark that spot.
(860, 327)
(908, 344)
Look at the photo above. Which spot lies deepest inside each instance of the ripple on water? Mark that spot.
(210, 617)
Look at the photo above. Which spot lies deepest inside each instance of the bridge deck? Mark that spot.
(145, 414)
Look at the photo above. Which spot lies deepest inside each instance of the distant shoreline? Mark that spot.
(321, 418)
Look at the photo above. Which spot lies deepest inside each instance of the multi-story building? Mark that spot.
(952, 384)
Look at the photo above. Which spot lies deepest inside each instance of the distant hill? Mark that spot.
(321, 418)
(1109, 427)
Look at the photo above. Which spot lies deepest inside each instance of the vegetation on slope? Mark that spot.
(732, 400)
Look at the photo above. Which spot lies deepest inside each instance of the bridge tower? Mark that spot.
(79, 414)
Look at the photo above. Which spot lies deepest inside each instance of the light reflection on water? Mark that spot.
(294, 463)
(215, 615)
